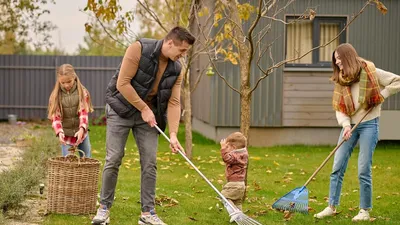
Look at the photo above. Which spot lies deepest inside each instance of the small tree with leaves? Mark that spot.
(19, 21)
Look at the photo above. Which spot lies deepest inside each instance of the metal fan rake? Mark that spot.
(236, 215)
(297, 199)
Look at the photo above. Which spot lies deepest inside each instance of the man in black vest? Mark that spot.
(144, 91)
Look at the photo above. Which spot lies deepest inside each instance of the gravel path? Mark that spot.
(13, 141)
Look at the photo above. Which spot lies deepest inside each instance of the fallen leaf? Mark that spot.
(255, 158)
(287, 215)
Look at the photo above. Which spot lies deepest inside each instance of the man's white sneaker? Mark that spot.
(151, 218)
(328, 211)
(102, 216)
(363, 215)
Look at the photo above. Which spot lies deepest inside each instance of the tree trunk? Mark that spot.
(245, 108)
(187, 116)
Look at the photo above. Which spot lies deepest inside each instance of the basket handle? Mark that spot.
(72, 150)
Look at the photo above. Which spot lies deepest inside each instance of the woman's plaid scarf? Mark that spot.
(369, 95)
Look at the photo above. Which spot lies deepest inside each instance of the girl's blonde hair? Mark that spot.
(351, 62)
(55, 96)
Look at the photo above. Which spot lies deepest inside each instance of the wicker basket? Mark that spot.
(72, 184)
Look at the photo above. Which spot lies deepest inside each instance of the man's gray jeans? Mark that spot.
(146, 139)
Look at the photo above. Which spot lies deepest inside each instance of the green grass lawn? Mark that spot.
(185, 198)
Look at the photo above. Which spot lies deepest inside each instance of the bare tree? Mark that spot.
(241, 40)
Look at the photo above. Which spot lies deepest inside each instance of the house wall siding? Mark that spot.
(307, 98)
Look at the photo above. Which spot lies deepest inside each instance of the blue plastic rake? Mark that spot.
(297, 199)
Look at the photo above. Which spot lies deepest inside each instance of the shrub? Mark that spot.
(18, 181)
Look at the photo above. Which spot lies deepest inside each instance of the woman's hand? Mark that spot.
(347, 133)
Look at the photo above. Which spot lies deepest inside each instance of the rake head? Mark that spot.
(238, 216)
(294, 201)
(242, 219)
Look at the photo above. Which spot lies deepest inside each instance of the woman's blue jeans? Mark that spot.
(367, 133)
(84, 146)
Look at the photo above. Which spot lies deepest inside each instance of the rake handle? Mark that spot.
(197, 170)
(335, 149)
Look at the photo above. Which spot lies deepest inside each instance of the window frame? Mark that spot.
(316, 63)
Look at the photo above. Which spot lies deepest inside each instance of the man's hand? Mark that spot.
(174, 143)
(61, 137)
(79, 135)
(347, 133)
(148, 116)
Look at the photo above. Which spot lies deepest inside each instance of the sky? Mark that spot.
(70, 20)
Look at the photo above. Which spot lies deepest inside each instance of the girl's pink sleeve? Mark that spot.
(83, 114)
(57, 123)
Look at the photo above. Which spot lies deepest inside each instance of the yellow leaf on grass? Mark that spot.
(255, 158)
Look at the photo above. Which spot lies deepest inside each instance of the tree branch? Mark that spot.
(152, 14)
(108, 33)
(270, 69)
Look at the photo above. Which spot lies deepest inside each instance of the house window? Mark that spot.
(303, 35)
